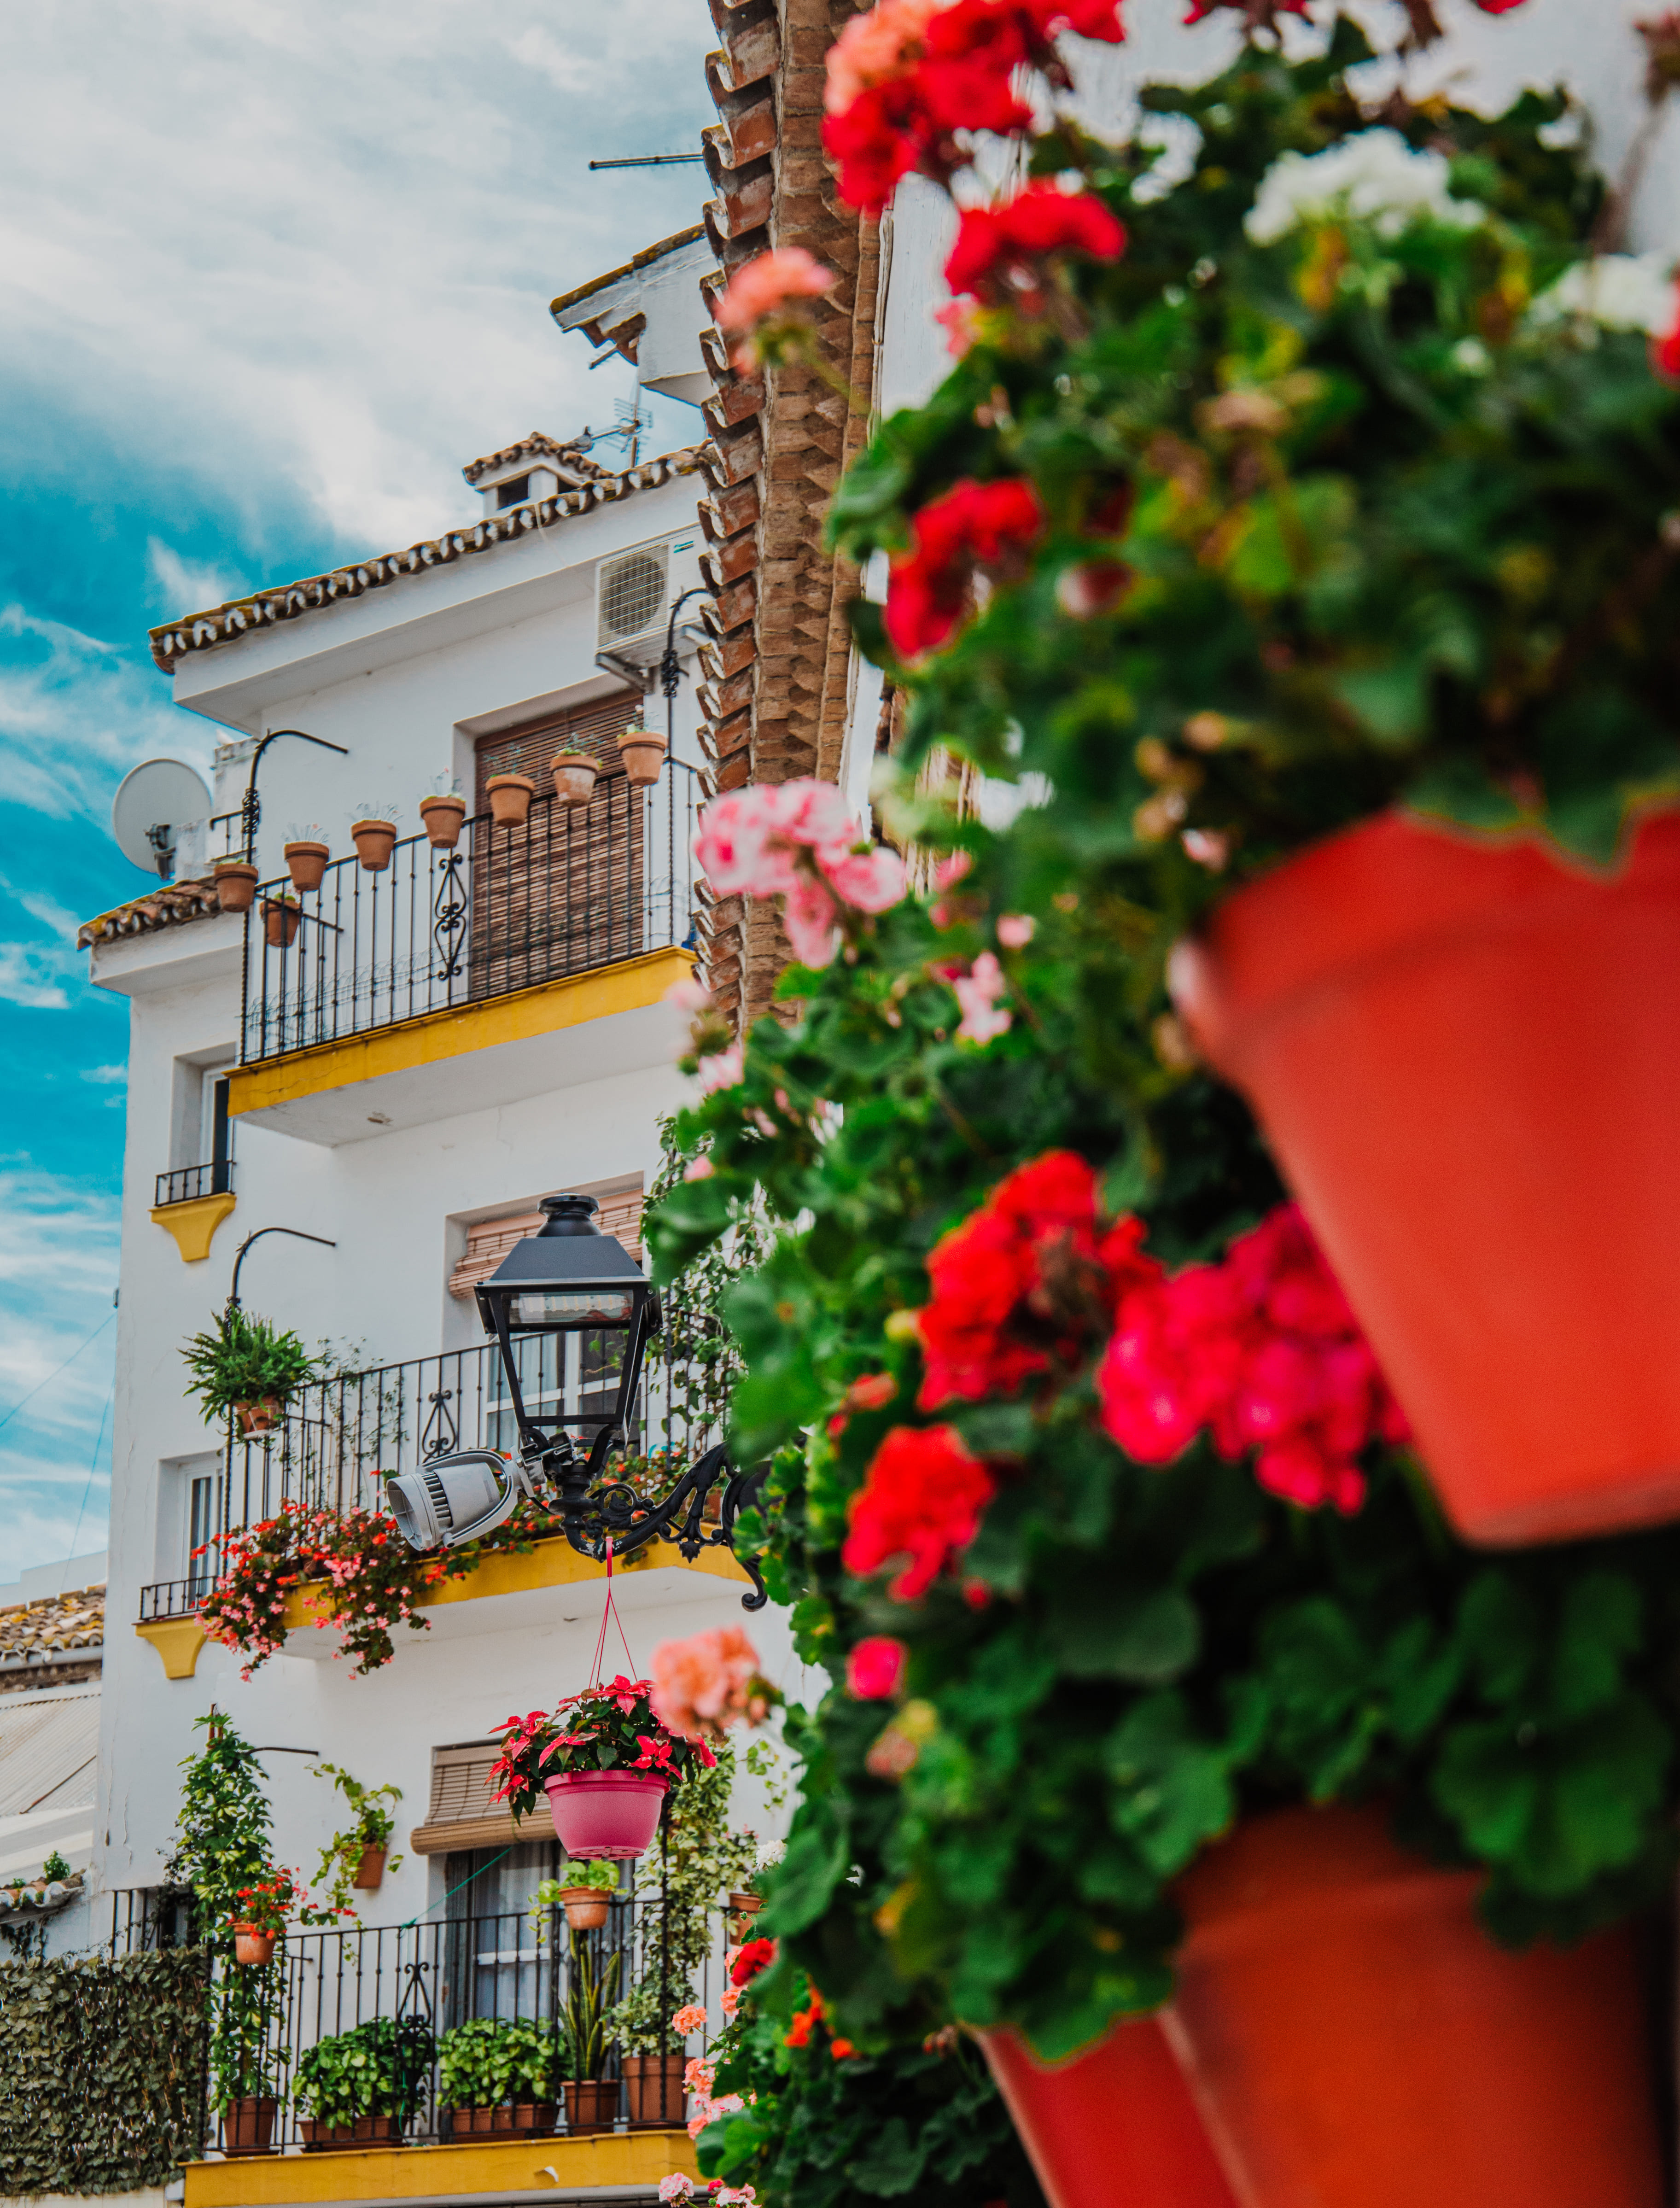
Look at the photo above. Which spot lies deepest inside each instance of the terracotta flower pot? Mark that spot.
(1356, 2040)
(1465, 1057)
(586, 1907)
(247, 2124)
(369, 1872)
(644, 754)
(611, 1815)
(1113, 2123)
(374, 841)
(252, 1947)
(592, 2104)
(441, 818)
(510, 796)
(307, 863)
(236, 885)
(575, 775)
(743, 1908)
(366, 2131)
(261, 1417)
(280, 922)
(653, 2089)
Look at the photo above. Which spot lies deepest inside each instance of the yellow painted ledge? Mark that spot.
(194, 1223)
(630, 986)
(548, 1564)
(491, 2167)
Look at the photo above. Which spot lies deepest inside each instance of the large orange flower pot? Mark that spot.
(1113, 2126)
(1356, 2040)
(1466, 1056)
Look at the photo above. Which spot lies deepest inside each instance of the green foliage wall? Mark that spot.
(101, 2072)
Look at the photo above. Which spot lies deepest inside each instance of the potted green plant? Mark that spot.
(375, 836)
(510, 796)
(441, 814)
(306, 854)
(260, 1913)
(356, 1860)
(584, 1892)
(500, 2074)
(248, 1367)
(361, 2087)
(281, 917)
(606, 1763)
(592, 2101)
(236, 882)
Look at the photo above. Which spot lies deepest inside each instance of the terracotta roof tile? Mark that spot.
(146, 915)
(572, 459)
(53, 1624)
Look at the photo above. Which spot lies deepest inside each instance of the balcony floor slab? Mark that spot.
(621, 2166)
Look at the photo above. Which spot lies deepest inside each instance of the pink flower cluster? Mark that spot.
(711, 1680)
(1263, 1353)
(768, 285)
(799, 841)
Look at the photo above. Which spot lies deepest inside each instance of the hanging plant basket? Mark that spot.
(644, 754)
(587, 1907)
(306, 863)
(375, 842)
(253, 1948)
(1356, 2040)
(611, 1814)
(510, 796)
(1466, 1058)
(1114, 2123)
(261, 1417)
(441, 818)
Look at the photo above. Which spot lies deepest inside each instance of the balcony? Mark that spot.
(421, 1982)
(451, 978)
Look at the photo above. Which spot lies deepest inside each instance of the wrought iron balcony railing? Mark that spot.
(424, 1980)
(338, 1438)
(573, 889)
(191, 1181)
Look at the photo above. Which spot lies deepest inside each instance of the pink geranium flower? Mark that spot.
(978, 992)
(711, 1680)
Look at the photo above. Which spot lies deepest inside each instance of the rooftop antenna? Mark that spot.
(627, 429)
(646, 161)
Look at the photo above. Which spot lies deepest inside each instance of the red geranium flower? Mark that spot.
(974, 525)
(757, 1955)
(1666, 351)
(922, 1500)
(1001, 252)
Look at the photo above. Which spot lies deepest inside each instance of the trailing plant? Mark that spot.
(372, 1827)
(379, 2069)
(1084, 1478)
(244, 1360)
(490, 2061)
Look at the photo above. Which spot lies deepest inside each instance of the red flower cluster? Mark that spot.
(904, 78)
(1262, 1351)
(922, 1500)
(974, 524)
(757, 1955)
(1021, 1286)
(1001, 252)
(1665, 352)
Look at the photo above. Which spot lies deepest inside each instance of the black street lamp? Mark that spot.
(569, 1282)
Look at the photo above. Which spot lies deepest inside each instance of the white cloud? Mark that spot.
(103, 1074)
(32, 977)
(184, 586)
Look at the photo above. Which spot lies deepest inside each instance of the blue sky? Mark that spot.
(270, 271)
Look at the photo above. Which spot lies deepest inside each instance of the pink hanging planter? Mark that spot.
(611, 1815)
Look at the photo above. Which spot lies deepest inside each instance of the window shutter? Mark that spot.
(461, 1814)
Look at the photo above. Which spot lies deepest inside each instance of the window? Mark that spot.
(513, 492)
(200, 1530)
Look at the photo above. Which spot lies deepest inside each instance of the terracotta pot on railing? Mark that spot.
(441, 818)
(1115, 2122)
(247, 2124)
(366, 2131)
(236, 885)
(592, 2104)
(280, 922)
(510, 796)
(307, 863)
(744, 1907)
(644, 754)
(653, 2089)
(575, 774)
(251, 1948)
(1356, 2040)
(261, 1417)
(586, 1907)
(611, 1815)
(370, 1871)
(512, 2117)
(374, 841)
(1465, 1058)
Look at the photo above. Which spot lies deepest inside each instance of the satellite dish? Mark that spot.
(155, 802)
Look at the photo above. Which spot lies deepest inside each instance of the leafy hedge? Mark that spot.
(101, 2072)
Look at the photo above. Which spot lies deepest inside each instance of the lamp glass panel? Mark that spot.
(570, 1307)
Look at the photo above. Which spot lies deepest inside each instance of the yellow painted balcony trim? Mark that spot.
(505, 2168)
(548, 1564)
(430, 1037)
(194, 1223)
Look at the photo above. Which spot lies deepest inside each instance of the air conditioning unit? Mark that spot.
(633, 599)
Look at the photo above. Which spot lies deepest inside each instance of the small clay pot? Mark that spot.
(441, 818)
(261, 1417)
(247, 2124)
(653, 2090)
(743, 1908)
(592, 2104)
(526, 2116)
(374, 841)
(644, 754)
(586, 1907)
(307, 863)
(280, 920)
(510, 796)
(370, 1871)
(253, 1947)
(365, 2131)
(236, 885)
(574, 774)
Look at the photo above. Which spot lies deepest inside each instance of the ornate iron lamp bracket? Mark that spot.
(594, 1510)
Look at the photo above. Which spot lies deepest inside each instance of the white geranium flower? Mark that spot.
(1375, 176)
(1619, 291)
